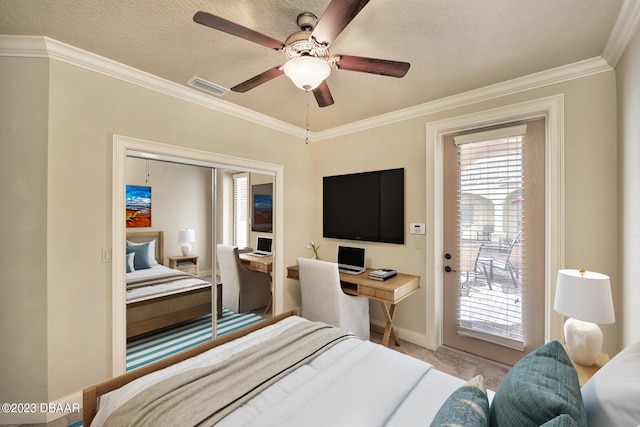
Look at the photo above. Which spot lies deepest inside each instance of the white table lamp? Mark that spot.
(585, 298)
(186, 237)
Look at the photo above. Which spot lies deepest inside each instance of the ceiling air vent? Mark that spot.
(206, 86)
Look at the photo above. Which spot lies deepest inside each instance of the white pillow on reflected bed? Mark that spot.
(152, 250)
(612, 396)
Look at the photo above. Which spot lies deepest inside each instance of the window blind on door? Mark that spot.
(240, 215)
(490, 224)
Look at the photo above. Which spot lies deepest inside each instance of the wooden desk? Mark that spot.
(388, 293)
(258, 263)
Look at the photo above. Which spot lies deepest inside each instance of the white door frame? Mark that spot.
(121, 146)
(552, 109)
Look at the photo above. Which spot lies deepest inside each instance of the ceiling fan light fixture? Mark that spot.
(307, 72)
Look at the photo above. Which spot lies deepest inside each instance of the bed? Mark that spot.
(318, 375)
(158, 296)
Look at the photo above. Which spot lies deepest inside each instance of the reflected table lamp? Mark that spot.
(186, 237)
(585, 298)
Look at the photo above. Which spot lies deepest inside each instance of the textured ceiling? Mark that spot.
(453, 46)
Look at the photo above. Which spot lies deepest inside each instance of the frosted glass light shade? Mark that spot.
(307, 72)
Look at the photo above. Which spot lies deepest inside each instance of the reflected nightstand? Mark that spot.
(188, 264)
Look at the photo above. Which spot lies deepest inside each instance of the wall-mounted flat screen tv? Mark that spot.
(367, 206)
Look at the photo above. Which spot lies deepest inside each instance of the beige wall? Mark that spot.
(590, 173)
(23, 230)
(627, 72)
(63, 309)
(181, 197)
(60, 316)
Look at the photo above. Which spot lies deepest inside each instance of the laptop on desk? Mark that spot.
(351, 259)
(263, 246)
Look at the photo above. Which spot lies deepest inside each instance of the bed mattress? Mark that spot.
(354, 383)
(156, 290)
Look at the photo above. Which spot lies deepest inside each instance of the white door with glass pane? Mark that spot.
(494, 207)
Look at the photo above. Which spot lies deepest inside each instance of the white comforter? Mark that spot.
(161, 289)
(355, 383)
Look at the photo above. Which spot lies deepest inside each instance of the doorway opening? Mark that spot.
(494, 209)
(551, 109)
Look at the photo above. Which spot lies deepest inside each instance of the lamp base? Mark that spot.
(186, 249)
(584, 341)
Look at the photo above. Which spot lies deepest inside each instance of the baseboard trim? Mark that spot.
(404, 334)
(68, 405)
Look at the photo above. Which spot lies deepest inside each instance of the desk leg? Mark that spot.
(389, 330)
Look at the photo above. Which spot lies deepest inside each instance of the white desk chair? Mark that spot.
(323, 299)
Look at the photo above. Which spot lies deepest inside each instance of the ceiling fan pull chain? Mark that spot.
(306, 139)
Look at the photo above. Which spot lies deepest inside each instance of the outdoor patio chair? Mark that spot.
(496, 255)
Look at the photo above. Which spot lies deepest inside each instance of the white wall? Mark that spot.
(628, 84)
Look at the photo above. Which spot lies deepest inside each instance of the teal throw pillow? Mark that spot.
(563, 420)
(141, 257)
(468, 406)
(542, 386)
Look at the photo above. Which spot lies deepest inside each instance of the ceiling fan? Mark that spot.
(309, 61)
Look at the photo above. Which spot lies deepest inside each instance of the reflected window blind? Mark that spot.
(490, 224)
(240, 224)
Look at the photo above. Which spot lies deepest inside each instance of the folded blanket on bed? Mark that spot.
(158, 280)
(206, 395)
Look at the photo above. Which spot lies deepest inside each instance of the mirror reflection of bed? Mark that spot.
(169, 310)
(158, 296)
(197, 197)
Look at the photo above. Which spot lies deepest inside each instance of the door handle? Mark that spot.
(449, 269)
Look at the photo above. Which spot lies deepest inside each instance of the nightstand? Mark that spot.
(188, 264)
(586, 372)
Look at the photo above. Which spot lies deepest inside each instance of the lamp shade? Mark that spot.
(307, 72)
(584, 297)
(186, 236)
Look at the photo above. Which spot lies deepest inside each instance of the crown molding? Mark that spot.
(44, 47)
(36, 46)
(625, 27)
(521, 84)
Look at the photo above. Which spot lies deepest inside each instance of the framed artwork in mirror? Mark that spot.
(138, 206)
(262, 219)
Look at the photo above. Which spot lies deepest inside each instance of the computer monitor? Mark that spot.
(264, 246)
(351, 259)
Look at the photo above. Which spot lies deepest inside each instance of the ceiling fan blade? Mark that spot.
(335, 18)
(323, 95)
(382, 67)
(261, 78)
(232, 28)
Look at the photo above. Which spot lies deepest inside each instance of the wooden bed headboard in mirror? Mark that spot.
(147, 236)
